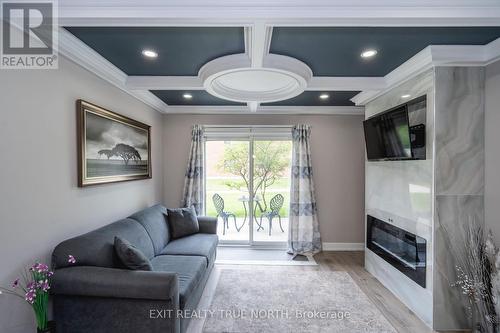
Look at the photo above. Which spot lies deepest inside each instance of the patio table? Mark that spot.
(244, 200)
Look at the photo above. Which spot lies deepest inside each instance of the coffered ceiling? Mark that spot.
(182, 50)
(334, 51)
(195, 43)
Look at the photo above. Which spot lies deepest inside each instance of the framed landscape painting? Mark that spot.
(111, 147)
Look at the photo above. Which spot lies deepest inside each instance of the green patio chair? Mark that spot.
(275, 204)
(219, 207)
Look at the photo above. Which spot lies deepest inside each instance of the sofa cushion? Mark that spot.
(130, 256)
(97, 248)
(182, 222)
(153, 220)
(190, 270)
(203, 245)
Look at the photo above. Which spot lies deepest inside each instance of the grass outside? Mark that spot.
(231, 196)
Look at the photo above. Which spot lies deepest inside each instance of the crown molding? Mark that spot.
(492, 51)
(280, 12)
(434, 56)
(260, 110)
(78, 52)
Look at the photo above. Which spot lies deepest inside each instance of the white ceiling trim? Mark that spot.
(492, 51)
(164, 83)
(280, 12)
(306, 110)
(253, 106)
(75, 50)
(318, 83)
(260, 42)
(371, 87)
(345, 83)
(234, 78)
(432, 56)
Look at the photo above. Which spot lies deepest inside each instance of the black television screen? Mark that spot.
(387, 136)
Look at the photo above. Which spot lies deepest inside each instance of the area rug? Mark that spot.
(261, 257)
(298, 301)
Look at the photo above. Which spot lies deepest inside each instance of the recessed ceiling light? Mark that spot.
(187, 96)
(405, 96)
(149, 53)
(324, 96)
(368, 53)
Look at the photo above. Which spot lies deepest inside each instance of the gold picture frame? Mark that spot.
(111, 147)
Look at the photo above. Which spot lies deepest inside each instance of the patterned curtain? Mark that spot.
(194, 185)
(303, 237)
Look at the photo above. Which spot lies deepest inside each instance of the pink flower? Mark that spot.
(39, 268)
(30, 296)
(44, 285)
(15, 284)
(42, 268)
(31, 286)
(71, 259)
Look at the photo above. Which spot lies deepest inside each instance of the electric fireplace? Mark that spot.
(402, 249)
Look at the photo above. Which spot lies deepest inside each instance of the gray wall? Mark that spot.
(492, 150)
(40, 203)
(338, 159)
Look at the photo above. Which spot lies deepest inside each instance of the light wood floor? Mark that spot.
(403, 320)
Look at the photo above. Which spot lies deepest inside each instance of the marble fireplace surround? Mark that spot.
(445, 189)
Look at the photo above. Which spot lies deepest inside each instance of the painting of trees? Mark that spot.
(126, 152)
(122, 150)
(111, 147)
(107, 152)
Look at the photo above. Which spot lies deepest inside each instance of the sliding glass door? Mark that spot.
(248, 188)
(271, 188)
(227, 188)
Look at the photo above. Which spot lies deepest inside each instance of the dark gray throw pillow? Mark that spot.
(130, 256)
(182, 222)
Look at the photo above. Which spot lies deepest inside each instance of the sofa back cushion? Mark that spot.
(154, 221)
(96, 248)
(182, 222)
(130, 256)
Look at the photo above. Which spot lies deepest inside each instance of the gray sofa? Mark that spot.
(97, 294)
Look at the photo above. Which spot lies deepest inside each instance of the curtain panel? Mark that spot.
(304, 237)
(194, 184)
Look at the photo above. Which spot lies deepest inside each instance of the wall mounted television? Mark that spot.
(389, 136)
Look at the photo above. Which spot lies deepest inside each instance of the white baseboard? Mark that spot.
(343, 246)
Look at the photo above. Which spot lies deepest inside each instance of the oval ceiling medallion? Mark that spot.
(232, 78)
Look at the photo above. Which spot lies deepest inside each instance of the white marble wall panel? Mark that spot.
(451, 212)
(459, 180)
(445, 190)
(459, 126)
(408, 291)
(403, 192)
(403, 188)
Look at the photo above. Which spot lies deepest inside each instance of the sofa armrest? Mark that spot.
(208, 225)
(115, 283)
